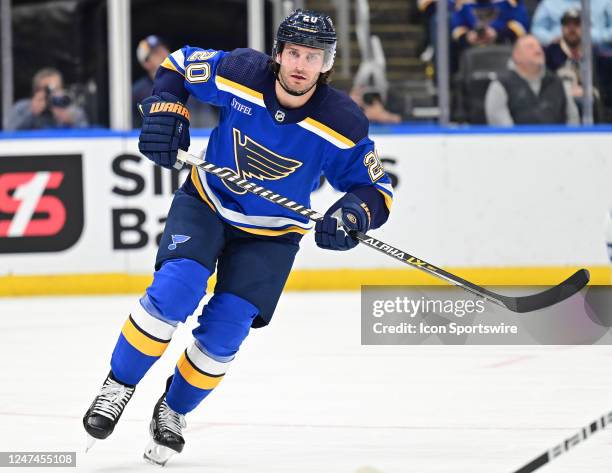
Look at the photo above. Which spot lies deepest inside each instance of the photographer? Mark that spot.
(49, 107)
(371, 103)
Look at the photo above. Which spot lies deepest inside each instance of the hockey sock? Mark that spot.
(224, 324)
(178, 286)
(196, 374)
(143, 339)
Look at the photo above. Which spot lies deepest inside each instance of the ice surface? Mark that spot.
(304, 396)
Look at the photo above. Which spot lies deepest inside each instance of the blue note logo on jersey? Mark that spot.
(177, 240)
(254, 161)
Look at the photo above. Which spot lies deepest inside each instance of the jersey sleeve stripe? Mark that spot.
(240, 90)
(168, 64)
(387, 191)
(387, 197)
(326, 133)
(178, 59)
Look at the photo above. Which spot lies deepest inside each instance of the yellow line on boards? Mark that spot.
(299, 280)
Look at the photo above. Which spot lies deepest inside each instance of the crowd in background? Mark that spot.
(541, 81)
(530, 50)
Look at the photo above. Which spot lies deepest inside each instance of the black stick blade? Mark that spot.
(535, 464)
(549, 297)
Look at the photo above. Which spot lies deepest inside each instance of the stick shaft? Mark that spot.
(511, 303)
(579, 437)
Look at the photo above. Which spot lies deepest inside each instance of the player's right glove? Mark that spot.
(165, 128)
(349, 213)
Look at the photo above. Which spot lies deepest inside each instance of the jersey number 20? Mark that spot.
(374, 165)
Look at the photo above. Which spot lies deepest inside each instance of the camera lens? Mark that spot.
(60, 101)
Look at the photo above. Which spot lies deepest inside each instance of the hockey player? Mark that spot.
(280, 125)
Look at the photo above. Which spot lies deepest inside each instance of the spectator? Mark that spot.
(528, 93)
(372, 105)
(428, 10)
(150, 53)
(49, 107)
(483, 22)
(547, 20)
(564, 56)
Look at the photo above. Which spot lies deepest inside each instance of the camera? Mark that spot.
(59, 100)
(481, 31)
(370, 97)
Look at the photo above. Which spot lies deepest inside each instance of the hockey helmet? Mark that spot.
(311, 29)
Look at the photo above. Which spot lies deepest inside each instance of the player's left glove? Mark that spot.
(349, 213)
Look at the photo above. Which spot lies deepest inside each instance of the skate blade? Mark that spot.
(157, 454)
(90, 443)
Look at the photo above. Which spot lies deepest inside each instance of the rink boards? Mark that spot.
(81, 212)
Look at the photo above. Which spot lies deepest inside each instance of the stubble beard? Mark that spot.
(291, 91)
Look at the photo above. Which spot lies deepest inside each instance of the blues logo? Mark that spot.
(254, 161)
(177, 240)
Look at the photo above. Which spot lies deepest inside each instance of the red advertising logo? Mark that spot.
(27, 199)
(41, 203)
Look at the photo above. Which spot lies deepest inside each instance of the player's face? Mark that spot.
(300, 67)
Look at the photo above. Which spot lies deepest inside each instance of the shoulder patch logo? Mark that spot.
(254, 161)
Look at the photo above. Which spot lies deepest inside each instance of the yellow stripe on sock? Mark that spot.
(141, 342)
(195, 377)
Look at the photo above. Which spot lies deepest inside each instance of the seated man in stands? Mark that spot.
(528, 93)
(484, 22)
(547, 20)
(49, 107)
(564, 56)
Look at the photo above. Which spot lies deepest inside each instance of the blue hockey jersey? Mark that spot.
(285, 150)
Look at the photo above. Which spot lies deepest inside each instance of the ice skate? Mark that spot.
(106, 409)
(166, 434)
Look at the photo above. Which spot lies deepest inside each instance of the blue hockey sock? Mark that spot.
(224, 324)
(143, 339)
(169, 300)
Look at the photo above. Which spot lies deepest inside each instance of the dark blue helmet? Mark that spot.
(308, 28)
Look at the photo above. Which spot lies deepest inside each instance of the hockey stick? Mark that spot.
(551, 296)
(568, 443)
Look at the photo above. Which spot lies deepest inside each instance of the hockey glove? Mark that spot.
(348, 214)
(165, 129)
